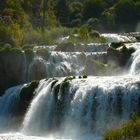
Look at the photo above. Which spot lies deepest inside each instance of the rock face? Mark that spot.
(26, 95)
(11, 67)
(119, 55)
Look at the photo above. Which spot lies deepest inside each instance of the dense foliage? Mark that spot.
(128, 131)
(24, 21)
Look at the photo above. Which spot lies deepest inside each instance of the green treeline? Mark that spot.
(32, 21)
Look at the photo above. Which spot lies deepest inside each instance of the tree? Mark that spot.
(93, 8)
(62, 12)
(127, 12)
(76, 16)
(33, 8)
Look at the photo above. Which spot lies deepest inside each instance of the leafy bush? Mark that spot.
(11, 34)
(49, 37)
(128, 131)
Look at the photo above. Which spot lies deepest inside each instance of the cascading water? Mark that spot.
(9, 104)
(63, 64)
(135, 66)
(82, 106)
(72, 108)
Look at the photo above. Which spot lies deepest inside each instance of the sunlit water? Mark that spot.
(80, 110)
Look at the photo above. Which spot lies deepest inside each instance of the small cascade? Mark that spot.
(61, 64)
(82, 106)
(135, 65)
(118, 38)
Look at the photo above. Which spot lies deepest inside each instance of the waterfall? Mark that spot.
(89, 105)
(118, 38)
(8, 105)
(61, 64)
(74, 107)
(135, 66)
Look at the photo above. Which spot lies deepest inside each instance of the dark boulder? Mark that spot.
(26, 95)
(116, 44)
(119, 56)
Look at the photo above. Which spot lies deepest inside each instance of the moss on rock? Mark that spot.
(43, 52)
(69, 78)
(26, 95)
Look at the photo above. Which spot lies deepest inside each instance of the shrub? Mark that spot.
(5, 36)
(83, 32)
(16, 34)
(11, 34)
(128, 131)
(94, 34)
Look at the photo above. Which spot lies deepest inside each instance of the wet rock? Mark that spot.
(116, 44)
(29, 55)
(26, 95)
(37, 70)
(94, 67)
(119, 56)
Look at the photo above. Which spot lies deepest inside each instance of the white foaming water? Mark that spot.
(118, 38)
(135, 66)
(63, 64)
(82, 106)
(19, 136)
(60, 64)
(81, 109)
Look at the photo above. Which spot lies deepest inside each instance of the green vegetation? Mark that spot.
(69, 78)
(127, 131)
(42, 52)
(45, 21)
(27, 91)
